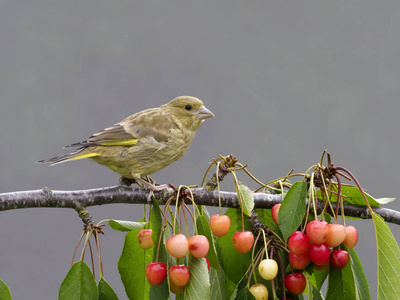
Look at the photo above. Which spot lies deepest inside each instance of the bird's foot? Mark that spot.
(153, 188)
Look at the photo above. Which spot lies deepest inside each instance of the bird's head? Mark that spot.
(189, 111)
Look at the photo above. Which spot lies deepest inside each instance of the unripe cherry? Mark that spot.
(177, 245)
(317, 231)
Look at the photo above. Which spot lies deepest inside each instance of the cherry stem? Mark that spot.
(312, 196)
(338, 197)
(252, 260)
(251, 175)
(162, 225)
(265, 243)
(358, 185)
(283, 274)
(84, 245)
(218, 187)
(186, 222)
(91, 257)
(97, 239)
(239, 197)
(76, 248)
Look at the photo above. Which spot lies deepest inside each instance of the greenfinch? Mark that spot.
(144, 142)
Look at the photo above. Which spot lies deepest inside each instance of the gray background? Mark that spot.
(285, 79)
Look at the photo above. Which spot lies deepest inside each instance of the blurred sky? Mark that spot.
(285, 79)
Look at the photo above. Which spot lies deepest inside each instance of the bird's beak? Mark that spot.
(204, 113)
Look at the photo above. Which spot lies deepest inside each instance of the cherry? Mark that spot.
(318, 253)
(198, 246)
(177, 245)
(339, 258)
(351, 238)
(317, 231)
(156, 272)
(144, 238)
(177, 290)
(298, 242)
(259, 291)
(336, 235)
(268, 268)
(274, 213)
(323, 267)
(179, 275)
(219, 224)
(299, 261)
(243, 241)
(295, 283)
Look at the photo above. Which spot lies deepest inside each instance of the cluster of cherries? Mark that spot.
(178, 246)
(314, 245)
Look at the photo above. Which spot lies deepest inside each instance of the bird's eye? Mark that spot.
(188, 107)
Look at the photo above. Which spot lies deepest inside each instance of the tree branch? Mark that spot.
(78, 200)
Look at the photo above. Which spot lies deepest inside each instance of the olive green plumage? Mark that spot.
(145, 142)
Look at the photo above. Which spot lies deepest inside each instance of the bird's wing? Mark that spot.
(121, 135)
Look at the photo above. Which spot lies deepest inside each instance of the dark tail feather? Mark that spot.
(56, 160)
(67, 157)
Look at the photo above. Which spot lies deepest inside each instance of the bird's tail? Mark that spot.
(78, 154)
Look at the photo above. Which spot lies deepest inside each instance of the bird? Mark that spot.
(144, 142)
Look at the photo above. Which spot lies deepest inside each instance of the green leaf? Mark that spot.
(354, 197)
(316, 294)
(203, 228)
(78, 284)
(292, 209)
(239, 291)
(132, 265)
(388, 260)
(233, 263)
(4, 291)
(217, 280)
(156, 223)
(247, 197)
(105, 291)
(198, 287)
(361, 280)
(265, 217)
(341, 284)
(121, 225)
(133, 261)
(316, 277)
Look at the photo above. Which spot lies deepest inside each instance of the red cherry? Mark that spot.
(179, 275)
(336, 235)
(219, 224)
(339, 258)
(156, 272)
(177, 245)
(243, 241)
(298, 242)
(198, 246)
(144, 238)
(295, 283)
(317, 231)
(351, 238)
(318, 253)
(274, 213)
(299, 261)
